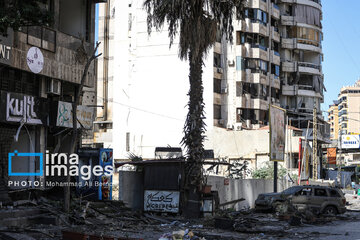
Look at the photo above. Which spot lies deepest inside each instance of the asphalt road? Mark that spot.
(338, 230)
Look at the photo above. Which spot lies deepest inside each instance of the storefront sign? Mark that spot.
(65, 119)
(35, 59)
(161, 201)
(331, 155)
(22, 108)
(6, 47)
(350, 142)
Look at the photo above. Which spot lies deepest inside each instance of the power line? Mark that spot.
(143, 110)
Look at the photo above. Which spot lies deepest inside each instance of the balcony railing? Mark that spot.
(276, 6)
(309, 65)
(306, 87)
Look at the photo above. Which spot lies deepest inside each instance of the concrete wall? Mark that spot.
(131, 189)
(242, 188)
(245, 144)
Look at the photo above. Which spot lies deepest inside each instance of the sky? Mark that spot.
(341, 48)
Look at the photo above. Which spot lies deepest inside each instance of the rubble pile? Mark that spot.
(44, 218)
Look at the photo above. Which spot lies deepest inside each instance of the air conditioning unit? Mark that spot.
(54, 87)
(219, 70)
(224, 90)
(238, 126)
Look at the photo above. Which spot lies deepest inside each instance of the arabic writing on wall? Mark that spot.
(161, 201)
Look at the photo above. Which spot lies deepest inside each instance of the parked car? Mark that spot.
(319, 199)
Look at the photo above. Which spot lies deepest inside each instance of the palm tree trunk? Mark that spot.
(193, 138)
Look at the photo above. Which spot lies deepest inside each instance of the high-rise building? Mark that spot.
(275, 59)
(333, 120)
(349, 109)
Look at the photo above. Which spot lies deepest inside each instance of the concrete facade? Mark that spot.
(333, 120)
(349, 109)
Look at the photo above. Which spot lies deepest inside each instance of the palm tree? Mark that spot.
(197, 22)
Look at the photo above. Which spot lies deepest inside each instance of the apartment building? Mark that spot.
(333, 120)
(40, 72)
(275, 59)
(349, 109)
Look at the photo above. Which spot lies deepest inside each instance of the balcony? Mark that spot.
(255, 27)
(275, 34)
(289, 90)
(217, 47)
(302, 44)
(308, 91)
(288, 20)
(256, 78)
(313, 3)
(275, 57)
(305, 67)
(247, 101)
(289, 67)
(275, 81)
(257, 51)
(302, 67)
(275, 11)
(260, 4)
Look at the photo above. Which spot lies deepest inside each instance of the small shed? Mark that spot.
(158, 185)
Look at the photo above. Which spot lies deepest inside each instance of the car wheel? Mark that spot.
(277, 207)
(330, 210)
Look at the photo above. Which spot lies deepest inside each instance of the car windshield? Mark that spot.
(291, 190)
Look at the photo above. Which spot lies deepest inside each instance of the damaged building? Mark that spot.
(40, 72)
(275, 58)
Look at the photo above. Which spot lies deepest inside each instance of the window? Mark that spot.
(217, 85)
(217, 60)
(217, 111)
(263, 66)
(256, 15)
(334, 193)
(75, 19)
(257, 65)
(304, 192)
(275, 69)
(240, 63)
(320, 192)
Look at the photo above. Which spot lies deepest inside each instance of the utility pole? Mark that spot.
(315, 160)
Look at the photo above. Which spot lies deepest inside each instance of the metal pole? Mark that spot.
(315, 160)
(275, 175)
(299, 161)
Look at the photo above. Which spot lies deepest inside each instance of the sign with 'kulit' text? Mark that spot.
(16, 107)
